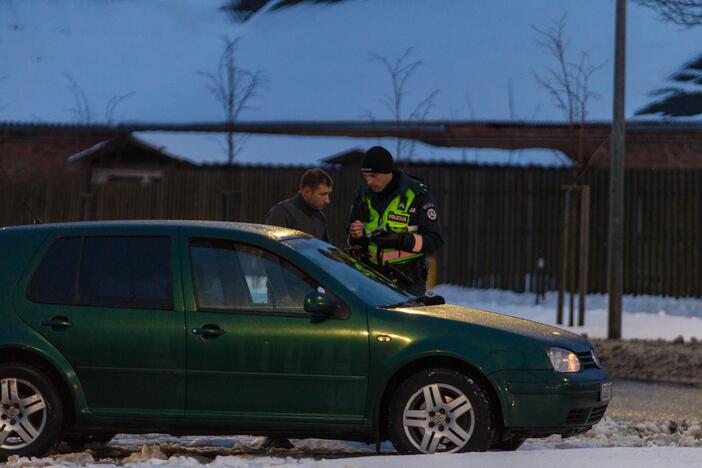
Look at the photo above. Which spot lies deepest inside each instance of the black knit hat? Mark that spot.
(377, 159)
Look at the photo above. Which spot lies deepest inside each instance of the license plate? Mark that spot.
(606, 391)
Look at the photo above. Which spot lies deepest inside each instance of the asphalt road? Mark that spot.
(652, 401)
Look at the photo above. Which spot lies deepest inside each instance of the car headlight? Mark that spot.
(563, 360)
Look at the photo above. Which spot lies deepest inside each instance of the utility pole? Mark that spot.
(615, 254)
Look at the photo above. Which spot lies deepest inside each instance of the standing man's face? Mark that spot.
(377, 181)
(317, 198)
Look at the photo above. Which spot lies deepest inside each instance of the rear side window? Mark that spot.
(126, 271)
(54, 282)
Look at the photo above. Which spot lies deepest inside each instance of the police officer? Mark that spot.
(394, 220)
(304, 211)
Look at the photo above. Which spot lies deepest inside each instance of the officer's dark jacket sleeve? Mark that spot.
(429, 223)
(279, 216)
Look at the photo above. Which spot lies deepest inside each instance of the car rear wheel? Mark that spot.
(30, 411)
(440, 411)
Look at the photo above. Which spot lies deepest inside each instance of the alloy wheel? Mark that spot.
(23, 413)
(439, 418)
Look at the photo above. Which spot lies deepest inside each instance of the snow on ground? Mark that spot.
(644, 317)
(609, 444)
(608, 433)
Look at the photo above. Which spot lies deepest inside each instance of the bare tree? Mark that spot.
(233, 87)
(513, 115)
(567, 82)
(400, 71)
(686, 13)
(83, 112)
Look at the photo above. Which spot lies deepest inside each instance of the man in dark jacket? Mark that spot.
(304, 211)
(395, 222)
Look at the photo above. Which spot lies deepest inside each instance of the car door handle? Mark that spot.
(57, 323)
(208, 331)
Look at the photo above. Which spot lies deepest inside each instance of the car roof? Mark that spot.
(272, 232)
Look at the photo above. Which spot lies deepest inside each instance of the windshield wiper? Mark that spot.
(411, 303)
(425, 300)
(431, 299)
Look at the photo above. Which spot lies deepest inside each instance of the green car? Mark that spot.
(225, 328)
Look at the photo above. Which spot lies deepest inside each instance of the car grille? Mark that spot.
(587, 361)
(585, 416)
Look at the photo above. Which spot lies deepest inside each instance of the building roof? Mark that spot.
(592, 140)
(123, 144)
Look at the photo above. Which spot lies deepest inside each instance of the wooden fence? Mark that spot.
(498, 221)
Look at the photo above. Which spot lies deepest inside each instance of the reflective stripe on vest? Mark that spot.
(395, 218)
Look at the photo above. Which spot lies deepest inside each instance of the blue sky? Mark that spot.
(317, 65)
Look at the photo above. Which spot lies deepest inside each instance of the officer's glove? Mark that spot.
(393, 240)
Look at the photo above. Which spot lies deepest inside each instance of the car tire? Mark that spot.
(458, 418)
(31, 413)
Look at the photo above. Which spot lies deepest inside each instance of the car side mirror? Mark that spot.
(319, 305)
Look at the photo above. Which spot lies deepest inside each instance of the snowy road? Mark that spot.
(651, 401)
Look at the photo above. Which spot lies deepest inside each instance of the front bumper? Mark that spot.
(542, 402)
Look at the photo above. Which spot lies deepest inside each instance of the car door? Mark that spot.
(109, 305)
(254, 354)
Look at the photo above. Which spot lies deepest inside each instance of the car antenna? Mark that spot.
(35, 218)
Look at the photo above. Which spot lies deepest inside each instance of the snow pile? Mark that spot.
(239, 444)
(620, 457)
(645, 317)
(614, 433)
(69, 459)
(658, 438)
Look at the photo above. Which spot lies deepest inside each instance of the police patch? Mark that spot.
(431, 214)
(398, 217)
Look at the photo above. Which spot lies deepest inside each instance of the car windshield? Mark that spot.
(375, 289)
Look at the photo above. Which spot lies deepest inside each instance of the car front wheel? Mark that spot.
(440, 411)
(30, 411)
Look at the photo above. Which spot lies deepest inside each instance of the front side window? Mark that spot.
(229, 276)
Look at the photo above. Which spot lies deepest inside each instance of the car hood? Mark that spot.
(507, 323)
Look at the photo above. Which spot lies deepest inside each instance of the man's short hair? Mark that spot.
(313, 178)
